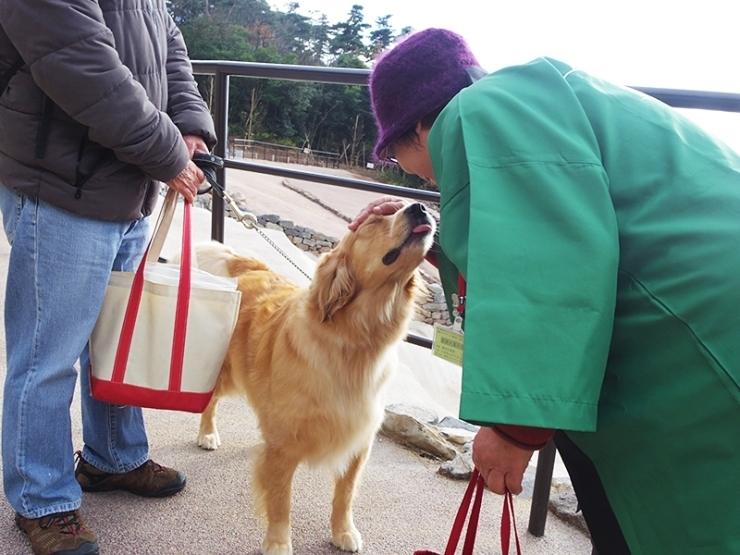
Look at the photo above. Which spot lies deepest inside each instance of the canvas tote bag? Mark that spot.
(163, 331)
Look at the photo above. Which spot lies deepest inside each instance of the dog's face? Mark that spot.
(383, 252)
(388, 246)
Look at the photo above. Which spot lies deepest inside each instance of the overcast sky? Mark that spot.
(649, 43)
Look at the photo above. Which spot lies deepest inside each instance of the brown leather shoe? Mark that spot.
(148, 480)
(59, 534)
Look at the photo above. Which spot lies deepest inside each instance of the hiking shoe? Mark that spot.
(148, 480)
(59, 534)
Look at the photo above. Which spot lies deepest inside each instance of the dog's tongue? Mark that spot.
(421, 228)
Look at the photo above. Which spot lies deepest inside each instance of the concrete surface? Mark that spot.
(402, 505)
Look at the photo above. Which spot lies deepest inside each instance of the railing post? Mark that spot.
(541, 493)
(221, 120)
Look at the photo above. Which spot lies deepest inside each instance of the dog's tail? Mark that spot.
(221, 260)
(213, 257)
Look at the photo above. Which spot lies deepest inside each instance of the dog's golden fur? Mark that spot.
(313, 361)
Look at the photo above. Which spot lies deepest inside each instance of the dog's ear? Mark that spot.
(333, 284)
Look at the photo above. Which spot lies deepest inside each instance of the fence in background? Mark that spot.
(271, 152)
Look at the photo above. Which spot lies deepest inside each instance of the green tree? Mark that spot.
(382, 36)
(340, 121)
(320, 40)
(348, 36)
(292, 34)
(250, 13)
(185, 11)
(210, 39)
(319, 116)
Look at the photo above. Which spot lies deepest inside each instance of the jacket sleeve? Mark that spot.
(185, 104)
(72, 57)
(525, 437)
(536, 239)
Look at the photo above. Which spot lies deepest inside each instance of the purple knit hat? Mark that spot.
(419, 75)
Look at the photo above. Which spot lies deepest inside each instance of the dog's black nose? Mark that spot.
(417, 209)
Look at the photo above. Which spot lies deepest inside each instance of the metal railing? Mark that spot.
(222, 70)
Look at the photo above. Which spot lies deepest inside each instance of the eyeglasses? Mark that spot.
(390, 155)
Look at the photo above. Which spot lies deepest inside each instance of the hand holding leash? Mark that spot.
(209, 163)
(186, 183)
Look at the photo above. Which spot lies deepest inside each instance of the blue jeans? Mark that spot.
(57, 275)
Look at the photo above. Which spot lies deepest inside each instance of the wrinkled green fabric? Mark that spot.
(599, 234)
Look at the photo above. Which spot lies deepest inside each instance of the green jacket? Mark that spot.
(599, 234)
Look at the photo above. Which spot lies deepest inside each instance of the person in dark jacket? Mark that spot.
(100, 107)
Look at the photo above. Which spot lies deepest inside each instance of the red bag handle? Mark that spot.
(508, 520)
(183, 304)
(181, 310)
(475, 486)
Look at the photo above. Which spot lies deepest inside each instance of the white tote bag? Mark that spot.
(163, 331)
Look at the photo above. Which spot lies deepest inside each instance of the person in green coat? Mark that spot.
(596, 232)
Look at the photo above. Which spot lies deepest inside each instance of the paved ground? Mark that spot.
(403, 504)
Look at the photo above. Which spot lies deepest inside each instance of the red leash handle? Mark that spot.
(475, 486)
(508, 519)
(469, 544)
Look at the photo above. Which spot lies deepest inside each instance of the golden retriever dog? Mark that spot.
(313, 361)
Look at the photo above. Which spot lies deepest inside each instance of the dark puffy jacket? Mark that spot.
(123, 95)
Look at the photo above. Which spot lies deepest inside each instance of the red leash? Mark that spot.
(508, 520)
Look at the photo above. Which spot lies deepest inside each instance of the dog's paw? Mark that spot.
(348, 540)
(276, 548)
(209, 441)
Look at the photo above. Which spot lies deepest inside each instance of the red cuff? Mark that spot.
(431, 257)
(525, 437)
